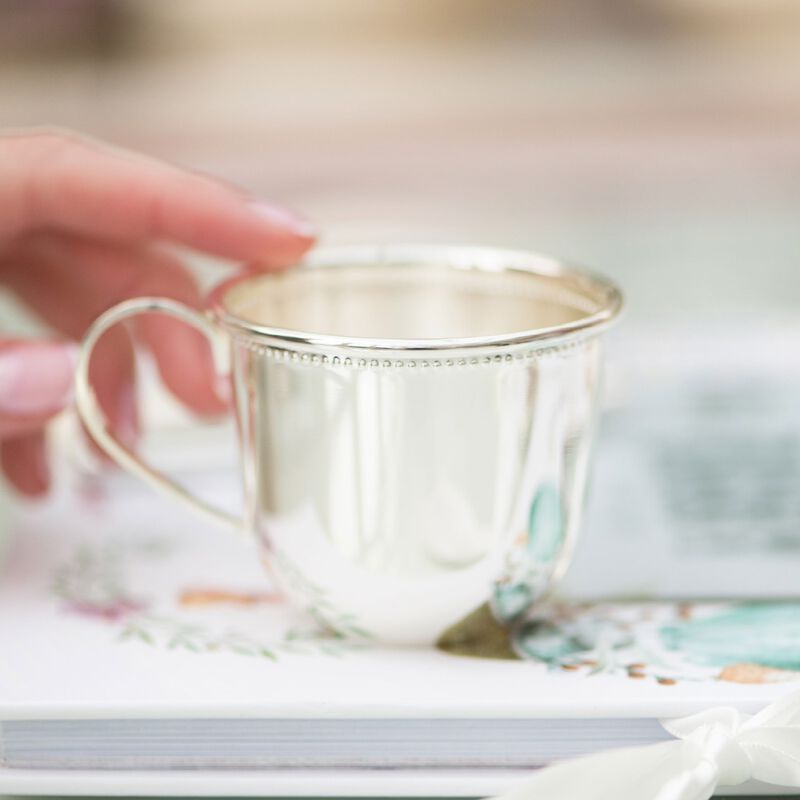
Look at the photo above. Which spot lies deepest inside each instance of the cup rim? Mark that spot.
(468, 257)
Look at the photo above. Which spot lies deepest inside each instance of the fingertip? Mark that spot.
(292, 224)
(280, 238)
(186, 366)
(212, 218)
(36, 378)
(202, 391)
(276, 260)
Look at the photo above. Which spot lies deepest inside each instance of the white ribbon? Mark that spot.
(718, 747)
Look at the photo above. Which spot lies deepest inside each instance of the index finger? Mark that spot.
(76, 185)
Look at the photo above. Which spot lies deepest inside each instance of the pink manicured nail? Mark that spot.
(36, 377)
(281, 218)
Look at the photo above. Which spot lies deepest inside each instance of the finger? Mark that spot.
(35, 383)
(24, 462)
(112, 374)
(69, 282)
(50, 292)
(64, 182)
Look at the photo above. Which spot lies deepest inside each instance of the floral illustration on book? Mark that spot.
(95, 582)
(742, 642)
(317, 605)
(746, 642)
(532, 558)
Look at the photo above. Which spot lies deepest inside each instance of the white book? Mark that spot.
(143, 652)
(137, 641)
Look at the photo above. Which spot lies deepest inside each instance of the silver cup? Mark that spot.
(415, 426)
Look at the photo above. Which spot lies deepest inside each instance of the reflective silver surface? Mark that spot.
(415, 428)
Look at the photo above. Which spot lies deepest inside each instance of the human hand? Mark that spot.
(80, 225)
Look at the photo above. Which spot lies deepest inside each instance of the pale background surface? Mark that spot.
(658, 142)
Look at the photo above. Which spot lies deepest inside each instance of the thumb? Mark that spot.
(35, 383)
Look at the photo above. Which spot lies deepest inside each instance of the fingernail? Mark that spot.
(281, 218)
(127, 419)
(36, 378)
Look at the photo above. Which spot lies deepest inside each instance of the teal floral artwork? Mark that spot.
(745, 642)
(131, 588)
(511, 599)
(763, 633)
(550, 644)
(530, 562)
(317, 604)
(545, 525)
(103, 582)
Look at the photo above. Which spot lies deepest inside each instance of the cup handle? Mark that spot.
(96, 423)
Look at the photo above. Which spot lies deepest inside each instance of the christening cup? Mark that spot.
(415, 425)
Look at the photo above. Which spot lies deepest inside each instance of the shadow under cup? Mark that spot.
(414, 422)
(415, 428)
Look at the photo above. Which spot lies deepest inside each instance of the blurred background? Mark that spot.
(658, 142)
